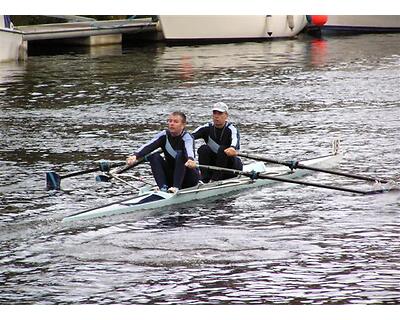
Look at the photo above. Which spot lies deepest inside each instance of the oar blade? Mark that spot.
(384, 189)
(53, 181)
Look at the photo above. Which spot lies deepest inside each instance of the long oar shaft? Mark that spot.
(77, 173)
(53, 180)
(311, 184)
(114, 174)
(123, 181)
(296, 164)
(130, 166)
(255, 175)
(127, 166)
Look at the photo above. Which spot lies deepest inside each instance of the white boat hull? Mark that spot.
(148, 199)
(234, 27)
(362, 23)
(12, 45)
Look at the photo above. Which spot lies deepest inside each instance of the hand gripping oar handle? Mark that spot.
(256, 175)
(296, 164)
(105, 178)
(138, 161)
(130, 166)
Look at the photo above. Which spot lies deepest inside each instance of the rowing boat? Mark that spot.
(148, 198)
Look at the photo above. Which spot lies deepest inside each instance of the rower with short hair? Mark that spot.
(222, 143)
(170, 172)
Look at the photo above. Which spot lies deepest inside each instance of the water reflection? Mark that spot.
(318, 52)
(10, 72)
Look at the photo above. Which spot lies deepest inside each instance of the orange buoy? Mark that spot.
(318, 21)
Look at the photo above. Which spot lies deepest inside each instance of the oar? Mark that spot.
(53, 180)
(112, 175)
(257, 175)
(105, 178)
(296, 164)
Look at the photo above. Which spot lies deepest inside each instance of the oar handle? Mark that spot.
(129, 166)
(256, 157)
(138, 161)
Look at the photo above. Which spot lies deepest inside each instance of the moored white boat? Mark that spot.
(230, 28)
(150, 199)
(12, 46)
(339, 24)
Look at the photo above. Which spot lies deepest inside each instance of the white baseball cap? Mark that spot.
(220, 106)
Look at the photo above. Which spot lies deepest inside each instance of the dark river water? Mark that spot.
(285, 244)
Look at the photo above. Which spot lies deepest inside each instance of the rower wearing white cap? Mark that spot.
(222, 143)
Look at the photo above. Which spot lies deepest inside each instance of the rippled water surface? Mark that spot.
(281, 245)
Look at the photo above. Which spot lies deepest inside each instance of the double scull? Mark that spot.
(149, 198)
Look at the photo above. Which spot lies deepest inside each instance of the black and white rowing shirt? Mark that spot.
(170, 145)
(228, 136)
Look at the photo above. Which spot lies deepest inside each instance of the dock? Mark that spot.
(19, 41)
(89, 32)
